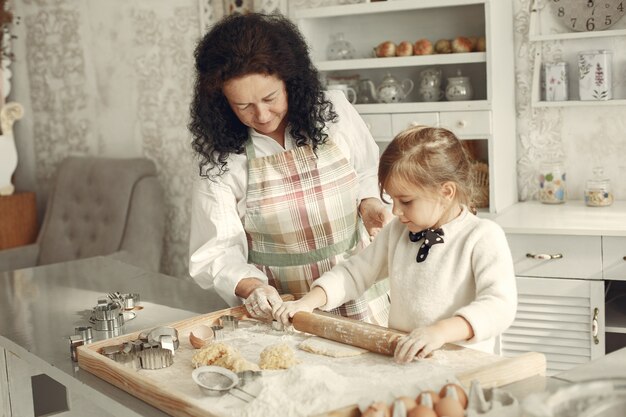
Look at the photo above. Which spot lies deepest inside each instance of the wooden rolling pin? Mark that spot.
(351, 332)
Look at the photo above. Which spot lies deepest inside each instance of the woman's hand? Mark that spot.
(374, 215)
(262, 300)
(421, 342)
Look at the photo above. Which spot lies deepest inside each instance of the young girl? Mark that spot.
(451, 273)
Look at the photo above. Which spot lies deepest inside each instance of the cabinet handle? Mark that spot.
(544, 256)
(624, 258)
(594, 326)
(461, 123)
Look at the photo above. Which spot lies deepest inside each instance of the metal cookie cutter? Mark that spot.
(277, 325)
(84, 332)
(106, 310)
(218, 332)
(75, 342)
(129, 360)
(229, 322)
(155, 358)
(166, 337)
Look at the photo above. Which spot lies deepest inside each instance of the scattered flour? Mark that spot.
(300, 391)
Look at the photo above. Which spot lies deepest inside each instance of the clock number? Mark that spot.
(561, 11)
(607, 20)
(590, 24)
(621, 7)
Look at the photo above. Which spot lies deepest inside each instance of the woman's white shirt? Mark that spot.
(217, 245)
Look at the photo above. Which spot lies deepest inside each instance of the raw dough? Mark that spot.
(221, 354)
(280, 356)
(330, 348)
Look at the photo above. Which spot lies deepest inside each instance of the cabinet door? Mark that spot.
(556, 256)
(561, 318)
(614, 258)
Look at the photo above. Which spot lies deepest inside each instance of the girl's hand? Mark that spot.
(421, 342)
(289, 308)
(374, 215)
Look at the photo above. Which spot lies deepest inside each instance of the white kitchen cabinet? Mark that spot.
(571, 276)
(552, 256)
(487, 121)
(561, 318)
(543, 29)
(614, 258)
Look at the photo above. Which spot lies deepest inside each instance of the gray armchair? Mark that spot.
(99, 206)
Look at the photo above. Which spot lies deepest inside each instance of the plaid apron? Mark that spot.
(301, 220)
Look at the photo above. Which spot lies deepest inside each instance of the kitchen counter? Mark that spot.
(41, 306)
(571, 218)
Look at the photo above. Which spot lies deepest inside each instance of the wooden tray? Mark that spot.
(146, 386)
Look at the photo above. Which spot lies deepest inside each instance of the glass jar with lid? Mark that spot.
(598, 190)
(339, 48)
(552, 186)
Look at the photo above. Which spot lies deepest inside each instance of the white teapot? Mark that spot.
(391, 90)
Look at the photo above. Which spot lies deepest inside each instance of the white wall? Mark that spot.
(582, 136)
(110, 78)
(114, 78)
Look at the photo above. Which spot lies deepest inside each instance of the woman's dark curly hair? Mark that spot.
(240, 45)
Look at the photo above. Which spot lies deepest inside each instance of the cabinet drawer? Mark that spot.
(466, 123)
(379, 125)
(400, 121)
(614, 257)
(580, 256)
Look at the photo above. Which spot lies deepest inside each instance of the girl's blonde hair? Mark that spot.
(428, 157)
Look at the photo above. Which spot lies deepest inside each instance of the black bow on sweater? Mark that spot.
(430, 236)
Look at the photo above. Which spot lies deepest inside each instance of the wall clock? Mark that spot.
(587, 15)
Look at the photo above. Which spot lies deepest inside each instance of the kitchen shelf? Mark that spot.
(535, 36)
(580, 103)
(423, 107)
(488, 120)
(404, 61)
(577, 35)
(378, 7)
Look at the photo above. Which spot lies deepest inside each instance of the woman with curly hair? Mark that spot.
(287, 170)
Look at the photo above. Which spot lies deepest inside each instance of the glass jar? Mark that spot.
(339, 48)
(552, 186)
(366, 92)
(598, 190)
